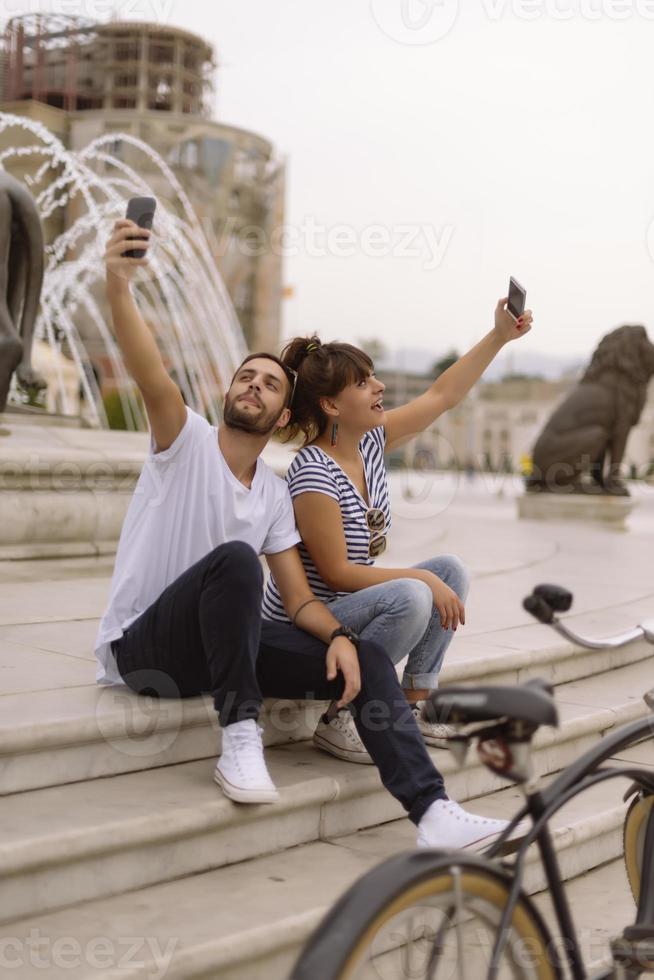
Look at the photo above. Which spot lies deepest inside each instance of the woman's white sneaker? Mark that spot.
(446, 824)
(340, 737)
(241, 770)
(432, 732)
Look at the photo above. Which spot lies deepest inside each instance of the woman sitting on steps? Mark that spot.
(342, 509)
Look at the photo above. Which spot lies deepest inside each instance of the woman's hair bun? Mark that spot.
(300, 348)
(323, 370)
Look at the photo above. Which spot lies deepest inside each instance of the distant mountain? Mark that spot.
(418, 360)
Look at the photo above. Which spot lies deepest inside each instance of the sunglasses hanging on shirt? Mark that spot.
(376, 521)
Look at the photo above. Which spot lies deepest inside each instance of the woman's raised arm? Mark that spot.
(453, 385)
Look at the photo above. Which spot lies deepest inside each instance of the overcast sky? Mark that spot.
(486, 138)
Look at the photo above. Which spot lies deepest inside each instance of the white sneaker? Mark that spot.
(340, 737)
(433, 733)
(446, 824)
(241, 769)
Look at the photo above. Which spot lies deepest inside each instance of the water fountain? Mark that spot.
(64, 489)
(181, 290)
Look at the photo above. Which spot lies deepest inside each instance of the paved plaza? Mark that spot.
(112, 827)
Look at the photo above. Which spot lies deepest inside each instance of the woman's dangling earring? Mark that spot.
(334, 433)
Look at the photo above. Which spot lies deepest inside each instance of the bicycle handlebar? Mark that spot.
(546, 600)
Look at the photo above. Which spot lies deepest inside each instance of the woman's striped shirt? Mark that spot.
(313, 470)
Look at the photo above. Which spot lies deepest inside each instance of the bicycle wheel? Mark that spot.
(428, 915)
(633, 836)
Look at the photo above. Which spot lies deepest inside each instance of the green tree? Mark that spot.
(438, 367)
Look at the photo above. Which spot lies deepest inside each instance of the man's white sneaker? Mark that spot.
(446, 824)
(340, 737)
(241, 769)
(432, 732)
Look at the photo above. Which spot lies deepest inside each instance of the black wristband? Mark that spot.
(346, 631)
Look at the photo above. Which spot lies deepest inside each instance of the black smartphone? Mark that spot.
(141, 210)
(517, 298)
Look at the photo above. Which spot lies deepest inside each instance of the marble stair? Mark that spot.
(159, 838)
(112, 829)
(63, 735)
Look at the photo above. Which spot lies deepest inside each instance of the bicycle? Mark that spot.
(436, 914)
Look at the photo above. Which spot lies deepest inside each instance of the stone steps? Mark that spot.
(107, 836)
(56, 736)
(111, 826)
(83, 733)
(248, 921)
(96, 469)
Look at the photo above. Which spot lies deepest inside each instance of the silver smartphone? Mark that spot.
(517, 298)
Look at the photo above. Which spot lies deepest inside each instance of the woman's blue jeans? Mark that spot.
(401, 616)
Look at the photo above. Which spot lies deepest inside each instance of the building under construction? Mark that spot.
(84, 80)
(74, 64)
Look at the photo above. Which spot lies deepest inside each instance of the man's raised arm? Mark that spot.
(163, 399)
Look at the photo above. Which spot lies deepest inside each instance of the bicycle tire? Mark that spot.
(336, 948)
(633, 840)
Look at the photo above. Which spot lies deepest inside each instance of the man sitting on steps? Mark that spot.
(184, 611)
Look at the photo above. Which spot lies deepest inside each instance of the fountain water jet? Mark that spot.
(180, 291)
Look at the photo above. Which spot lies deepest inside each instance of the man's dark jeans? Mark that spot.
(205, 634)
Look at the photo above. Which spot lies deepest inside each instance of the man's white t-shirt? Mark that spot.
(186, 502)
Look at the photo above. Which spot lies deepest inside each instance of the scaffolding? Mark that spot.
(73, 63)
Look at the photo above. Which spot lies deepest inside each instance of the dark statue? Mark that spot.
(594, 421)
(21, 279)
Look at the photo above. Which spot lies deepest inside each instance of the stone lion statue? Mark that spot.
(21, 279)
(594, 420)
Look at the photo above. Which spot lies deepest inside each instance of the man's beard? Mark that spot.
(256, 425)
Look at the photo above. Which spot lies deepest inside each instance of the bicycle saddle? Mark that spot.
(531, 702)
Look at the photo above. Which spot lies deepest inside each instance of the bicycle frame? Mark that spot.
(541, 805)
(390, 879)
